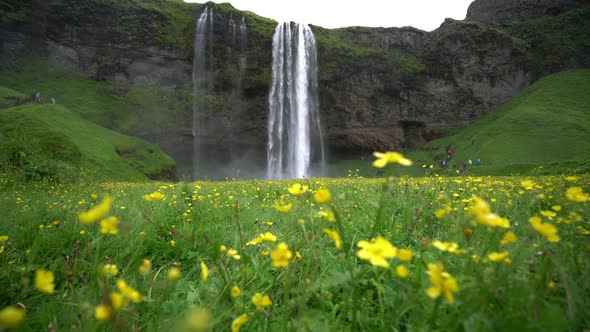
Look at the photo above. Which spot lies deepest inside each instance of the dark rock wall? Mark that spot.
(380, 88)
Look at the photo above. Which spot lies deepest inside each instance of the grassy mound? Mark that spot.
(548, 123)
(51, 141)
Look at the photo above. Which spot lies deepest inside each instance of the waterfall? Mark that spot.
(201, 77)
(294, 128)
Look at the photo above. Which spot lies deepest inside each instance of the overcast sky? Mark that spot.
(423, 14)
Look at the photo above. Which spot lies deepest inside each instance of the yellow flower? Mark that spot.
(402, 271)
(110, 270)
(577, 194)
(498, 256)
(548, 230)
(390, 158)
(297, 189)
(109, 225)
(103, 312)
(263, 237)
(548, 214)
(480, 209)
(282, 207)
(327, 215)
(442, 283)
(508, 238)
(117, 300)
(571, 178)
(405, 255)
(96, 213)
(145, 267)
(174, 274)
(527, 184)
(298, 256)
(556, 208)
(237, 323)
(204, 272)
(155, 196)
(376, 251)
(441, 213)
(451, 247)
(281, 255)
(322, 195)
(261, 301)
(11, 317)
(198, 320)
(44, 281)
(334, 236)
(4, 238)
(128, 292)
(236, 291)
(233, 254)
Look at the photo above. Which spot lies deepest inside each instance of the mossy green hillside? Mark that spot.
(9, 96)
(557, 42)
(44, 140)
(547, 123)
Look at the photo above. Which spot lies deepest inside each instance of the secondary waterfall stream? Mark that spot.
(201, 79)
(294, 128)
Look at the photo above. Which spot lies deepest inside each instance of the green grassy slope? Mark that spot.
(52, 141)
(547, 123)
(9, 96)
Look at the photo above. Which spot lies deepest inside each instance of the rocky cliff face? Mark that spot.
(508, 12)
(379, 88)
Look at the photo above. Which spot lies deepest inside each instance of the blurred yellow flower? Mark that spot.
(261, 301)
(451, 247)
(322, 195)
(129, 292)
(480, 209)
(103, 312)
(237, 323)
(548, 214)
(334, 236)
(508, 238)
(155, 196)
(117, 300)
(281, 256)
(204, 272)
(3, 238)
(174, 274)
(405, 255)
(390, 158)
(548, 230)
(282, 207)
(146, 266)
(236, 291)
(297, 189)
(577, 194)
(376, 251)
(402, 271)
(442, 283)
(44, 281)
(110, 270)
(327, 215)
(498, 256)
(263, 237)
(11, 317)
(109, 225)
(96, 213)
(527, 184)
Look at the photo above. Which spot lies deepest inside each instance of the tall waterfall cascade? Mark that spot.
(294, 129)
(201, 77)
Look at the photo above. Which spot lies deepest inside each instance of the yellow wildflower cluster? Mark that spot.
(482, 212)
(548, 230)
(269, 237)
(442, 283)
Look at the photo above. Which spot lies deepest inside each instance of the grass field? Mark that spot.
(50, 141)
(519, 263)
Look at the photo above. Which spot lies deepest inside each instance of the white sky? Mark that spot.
(422, 14)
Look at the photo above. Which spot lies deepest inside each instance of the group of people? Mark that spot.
(36, 98)
(445, 162)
